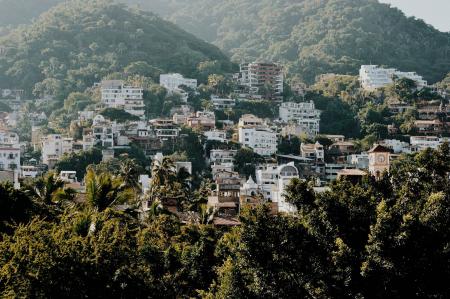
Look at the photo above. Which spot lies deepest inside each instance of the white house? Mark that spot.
(272, 181)
(222, 103)
(373, 77)
(216, 135)
(115, 94)
(397, 146)
(419, 143)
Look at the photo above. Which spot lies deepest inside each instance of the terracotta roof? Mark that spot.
(379, 149)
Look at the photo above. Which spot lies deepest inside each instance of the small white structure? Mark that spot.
(360, 161)
(216, 135)
(68, 176)
(222, 104)
(29, 171)
(373, 77)
(115, 94)
(397, 146)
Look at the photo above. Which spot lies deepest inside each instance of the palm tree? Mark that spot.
(129, 173)
(103, 190)
(46, 188)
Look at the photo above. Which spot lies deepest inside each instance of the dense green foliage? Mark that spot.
(77, 44)
(314, 37)
(376, 239)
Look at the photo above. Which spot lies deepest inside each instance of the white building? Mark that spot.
(222, 104)
(54, 146)
(256, 75)
(216, 135)
(373, 77)
(272, 181)
(29, 171)
(262, 140)
(397, 146)
(115, 94)
(303, 118)
(173, 82)
(360, 161)
(219, 156)
(9, 158)
(9, 138)
(419, 143)
(253, 133)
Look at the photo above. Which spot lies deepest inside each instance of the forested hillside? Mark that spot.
(314, 37)
(77, 44)
(310, 36)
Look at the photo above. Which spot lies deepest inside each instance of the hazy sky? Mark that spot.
(434, 12)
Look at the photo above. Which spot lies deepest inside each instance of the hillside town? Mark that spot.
(319, 158)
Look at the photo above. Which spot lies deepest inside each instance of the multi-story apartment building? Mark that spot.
(255, 134)
(10, 156)
(262, 140)
(373, 77)
(115, 94)
(172, 82)
(255, 76)
(54, 146)
(304, 115)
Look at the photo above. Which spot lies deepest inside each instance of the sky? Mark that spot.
(434, 12)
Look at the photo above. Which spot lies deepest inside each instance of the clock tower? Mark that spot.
(379, 160)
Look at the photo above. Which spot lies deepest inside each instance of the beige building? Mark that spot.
(379, 160)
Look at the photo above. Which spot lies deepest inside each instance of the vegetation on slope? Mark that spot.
(76, 44)
(314, 37)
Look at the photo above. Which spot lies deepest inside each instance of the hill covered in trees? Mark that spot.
(311, 37)
(76, 44)
(314, 37)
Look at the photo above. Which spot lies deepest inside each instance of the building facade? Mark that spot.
(373, 77)
(115, 94)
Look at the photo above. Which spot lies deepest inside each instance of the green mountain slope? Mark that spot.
(79, 43)
(314, 36)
